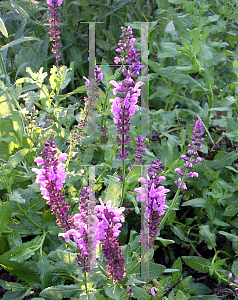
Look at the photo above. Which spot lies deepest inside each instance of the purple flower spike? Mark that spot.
(51, 178)
(155, 195)
(190, 159)
(111, 249)
(85, 236)
(123, 108)
(54, 28)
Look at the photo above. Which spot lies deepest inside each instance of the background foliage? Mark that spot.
(193, 69)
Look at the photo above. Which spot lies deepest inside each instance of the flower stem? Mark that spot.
(166, 215)
(110, 160)
(25, 215)
(85, 277)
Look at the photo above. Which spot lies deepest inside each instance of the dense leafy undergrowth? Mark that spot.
(48, 103)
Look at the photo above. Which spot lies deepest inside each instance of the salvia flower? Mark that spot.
(54, 28)
(51, 178)
(192, 156)
(155, 196)
(83, 233)
(107, 214)
(140, 150)
(123, 108)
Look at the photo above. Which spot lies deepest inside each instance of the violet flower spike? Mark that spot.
(124, 108)
(108, 234)
(85, 236)
(191, 158)
(155, 195)
(51, 178)
(54, 28)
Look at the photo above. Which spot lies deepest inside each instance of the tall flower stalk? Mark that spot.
(84, 233)
(155, 195)
(54, 28)
(51, 178)
(191, 158)
(107, 214)
(124, 107)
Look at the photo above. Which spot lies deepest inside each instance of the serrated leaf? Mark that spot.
(197, 263)
(16, 158)
(114, 291)
(231, 237)
(210, 238)
(43, 265)
(16, 196)
(140, 293)
(6, 210)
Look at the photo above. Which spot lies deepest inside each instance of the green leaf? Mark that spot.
(179, 232)
(197, 202)
(6, 210)
(3, 28)
(22, 252)
(165, 242)
(16, 196)
(17, 124)
(114, 291)
(180, 295)
(16, 158)
(11, 286)
(15, 295)
(231, 237)
(198, 263)
(43, 265)
(61, 291)
(140, 293)
(226, 159)
(14, 239)
(210, 238)
(210, 208)
(176, 275)
(19, 10)
(18, 41)
(195, 36)
(113, 192)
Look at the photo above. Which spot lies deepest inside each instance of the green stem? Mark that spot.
(101, 269)
(25, 215)
(175, 199)
(123, 183)
(85, 277)
(109, 162)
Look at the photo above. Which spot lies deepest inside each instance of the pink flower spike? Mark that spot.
(60, 2)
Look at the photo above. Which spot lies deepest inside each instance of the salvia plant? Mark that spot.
(92, 205)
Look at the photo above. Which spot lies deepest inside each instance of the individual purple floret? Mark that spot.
(54, 28)
(191, 158)
(107, 214)
(155, 196)
(123, 108)
(84, 233)
(51, 178)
